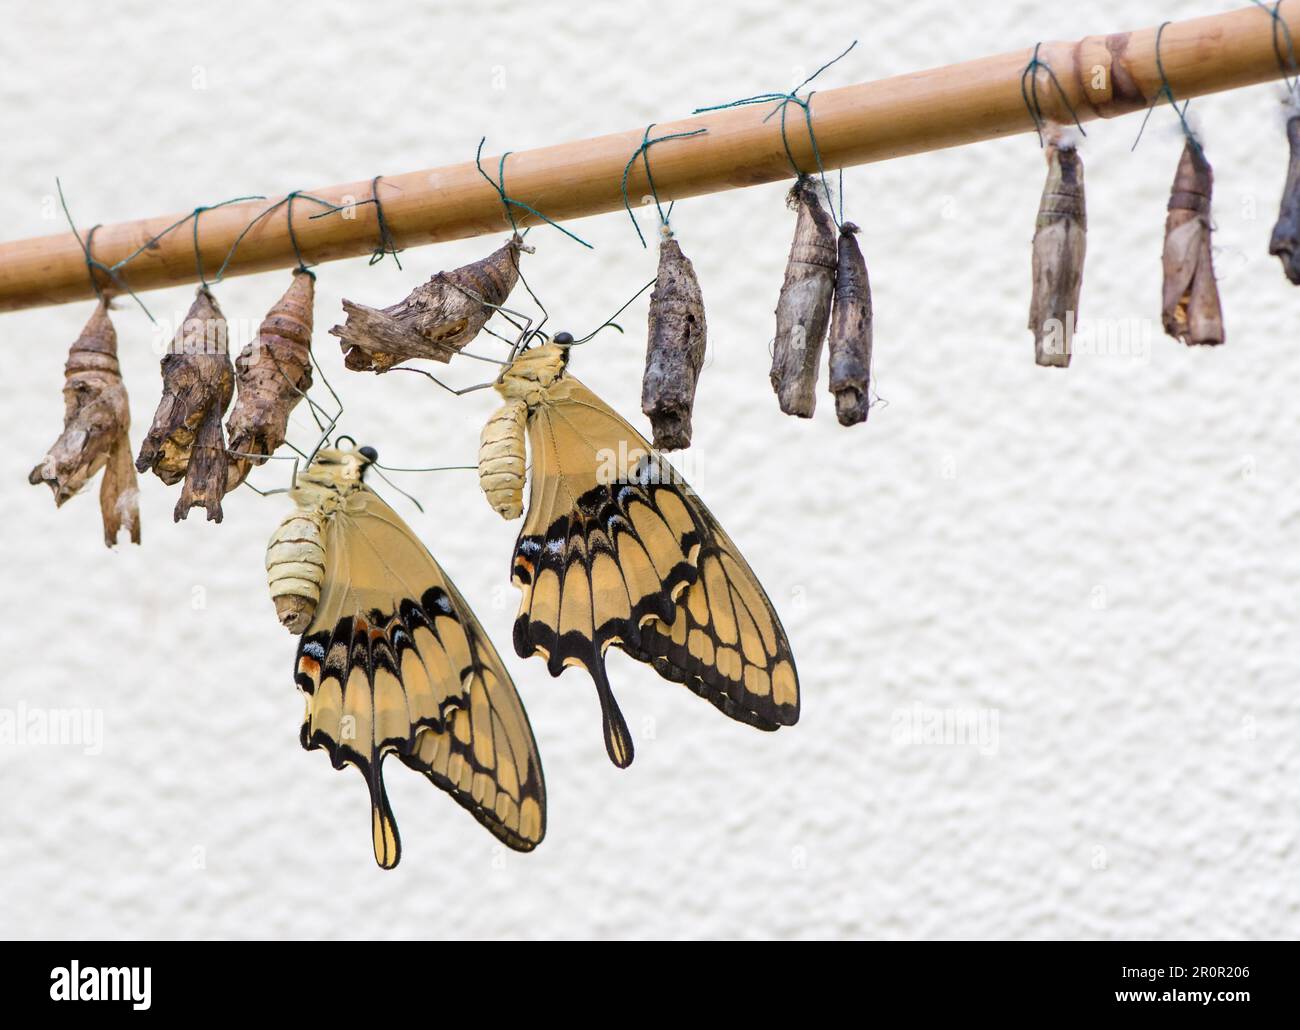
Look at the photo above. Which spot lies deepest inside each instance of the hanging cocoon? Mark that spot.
(675, 348)
(1060, 240)
(272, 374)
(96, 418)
(850, 338)
(1190, 301)
(185, 440)
(435, 320)
(1285, 243)
(804, 307)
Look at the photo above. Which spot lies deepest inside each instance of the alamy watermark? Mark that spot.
(1127, 338)
(975, 728)
(53, 727)
(634, 464)
(75, 982)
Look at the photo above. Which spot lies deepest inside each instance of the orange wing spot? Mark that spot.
(309, 666)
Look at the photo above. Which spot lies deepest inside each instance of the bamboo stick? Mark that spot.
(1102, 76)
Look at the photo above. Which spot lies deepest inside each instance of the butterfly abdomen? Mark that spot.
(501, 459)
(295, 568)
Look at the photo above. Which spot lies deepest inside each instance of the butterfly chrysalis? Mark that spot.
(95, 423)
(436, 319)
(850, 335)
(1060, 236)
(1285, 242)
(272, 374)
(1190, 309)
(804, 307)
(185, 440)
(675, 348)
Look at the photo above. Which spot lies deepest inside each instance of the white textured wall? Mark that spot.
(1107, 561)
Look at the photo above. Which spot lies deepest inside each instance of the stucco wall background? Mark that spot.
(1099, 568)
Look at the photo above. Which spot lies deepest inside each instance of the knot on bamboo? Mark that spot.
(96, 419)
(186, 440)
(272, 374)
(435, 320)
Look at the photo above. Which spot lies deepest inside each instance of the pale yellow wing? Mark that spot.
(395, 661)
(617, 550)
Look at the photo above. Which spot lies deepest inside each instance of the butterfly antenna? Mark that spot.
(431, 468)
(381, 475)
(609, 323)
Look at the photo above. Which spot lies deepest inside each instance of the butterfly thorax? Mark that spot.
(332, 479)
(532, 373)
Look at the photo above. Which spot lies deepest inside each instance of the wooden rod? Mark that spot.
(1102, 76)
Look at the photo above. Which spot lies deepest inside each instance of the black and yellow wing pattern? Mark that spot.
(395, 661)
(617, 550)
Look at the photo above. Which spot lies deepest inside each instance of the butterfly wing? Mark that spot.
(395, 661)
(618, 550)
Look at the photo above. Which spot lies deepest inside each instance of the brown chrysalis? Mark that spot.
(435, 320)
(804, 308)
(185, 439)
(850, 337)
(1060, 237)
(96, 418)
(273, 373)
(1191, 309)
(1285, 242)
(674, 348)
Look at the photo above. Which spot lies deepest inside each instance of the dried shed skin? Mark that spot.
(435, 320)
(850, 339)
(1285, 242)
(1190, 308)
(273, 373)
(1060, 242)
(675, 348)
(804, 308)
(96, 421)
(186, 439)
